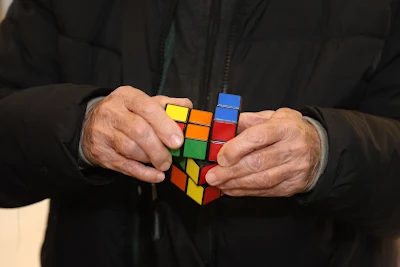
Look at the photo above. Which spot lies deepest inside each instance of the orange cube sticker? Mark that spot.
(197, 132)
(200, 117)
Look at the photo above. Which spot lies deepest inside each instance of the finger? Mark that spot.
(128, 148)
(285, 189)
(164, 100)
(152, 112)
(262, 180)
(250, 119)
(255, 162)
(243, 192)
(137, 170)
(137, 129)
(110, 159)
(252, 139)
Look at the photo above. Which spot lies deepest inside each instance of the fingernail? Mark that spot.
(165, 166)
(176, 140)
(211, 178)
(222, 161)
(160, 177)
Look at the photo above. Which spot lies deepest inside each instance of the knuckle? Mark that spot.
(246, 183)
(105, 110)
(118, 145)
(124, 90)
(161, 156)
(139, 130)
(238, 145)
(148, 109)
(142, 173)
(146, 106)
(120, 94)
(297, 113)
(257, 138)
(142, 134)
(289, 112)
(139, 102)
(125, 148)
(284, 110)
(133, 168)
(263, 180)
(126, 167)
(254, 162)
(165, 125)
(230, 172)
(161, 99)
(187, 102)
(132, 148)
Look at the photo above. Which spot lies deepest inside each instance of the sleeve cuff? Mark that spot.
(83, 161)
(324, 149)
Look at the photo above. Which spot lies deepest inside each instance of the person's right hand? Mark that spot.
(129, 128)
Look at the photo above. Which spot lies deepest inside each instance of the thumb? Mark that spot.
(164, 100)
(250, 119)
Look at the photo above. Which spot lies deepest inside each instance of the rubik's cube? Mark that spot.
(202, 194)
(205, 134)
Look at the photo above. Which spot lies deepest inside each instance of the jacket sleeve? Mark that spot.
(361, 182)
(40, 120)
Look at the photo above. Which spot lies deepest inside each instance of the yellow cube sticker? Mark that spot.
(194, 191)
(177, 113)
(193, 170)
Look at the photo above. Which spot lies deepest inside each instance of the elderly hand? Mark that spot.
(129, 128)
(276, 154)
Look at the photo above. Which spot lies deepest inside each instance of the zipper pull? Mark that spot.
(156, 216)
(154, 192)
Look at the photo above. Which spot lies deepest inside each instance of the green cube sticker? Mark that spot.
(175, 152)
(195, 149)
(182, 163)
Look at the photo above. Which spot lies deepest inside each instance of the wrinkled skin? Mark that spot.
(129, 128)
(276, 154)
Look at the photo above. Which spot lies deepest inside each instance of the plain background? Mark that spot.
(21, 230)
(21, 235)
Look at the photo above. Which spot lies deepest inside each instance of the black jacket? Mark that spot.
(336, 61)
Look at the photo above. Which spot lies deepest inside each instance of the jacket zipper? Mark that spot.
(163, 39)
(231, 42)
(164, 36)
(215, 11)
(213, 26)
(230, 46)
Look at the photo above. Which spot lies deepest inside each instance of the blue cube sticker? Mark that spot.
(229, 101)
(226, 114)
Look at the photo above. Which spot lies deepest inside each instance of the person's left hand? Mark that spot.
(276, 154)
